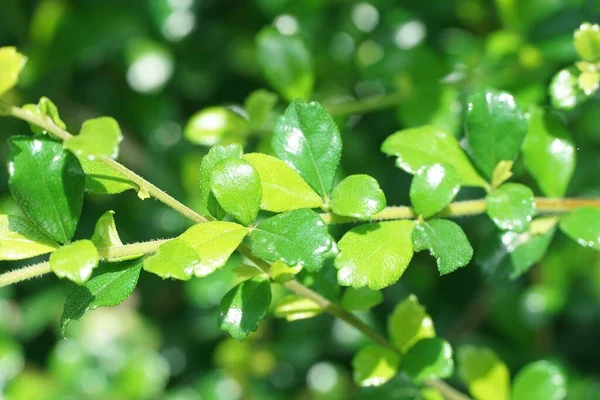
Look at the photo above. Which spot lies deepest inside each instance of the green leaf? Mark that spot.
(236, 186)
(583, 226)
(111, 284)
(485, 374)
(357, 196)
(105, 232)
(362, 299)
(502, 172)
(20, 239)
(281, 272)
(433, 188)
(215, 155)
(564, 89)
(286, 63)
(540, 380)
(45, 109)
(294, 237)
(589, 80)
(495, 128)
(216, 125)
(511, 207)
(101, 179)
(429, 359)
(409, 323)
(374, 365)
(174, 259)
(308, 140)
(374, 255)
(243, 307)
(259, 105)
(11, 64)
(293, 308)
(446, 241)
(587, 41)
(549, 153)
(282, 188)
(75, 261)
(47, 183)
(426, 145)
(98, 137)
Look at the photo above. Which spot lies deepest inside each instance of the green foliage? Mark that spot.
(20, 239)
(409, 323)
(75, 261)
(45, 108)
(357, 196)
(174, 259)
(259, 106)
(361, 299)
(294, 308)
(564, 89)
(101, 179)
(539, 380)
(11, 64)
(583, 226)
(484, 373)
(216, 125)
(587, 42)
(105, 232)
(428, 359)
(374, 365)
(511, 207)
(98, 137)
(214, 156)
(433, 188)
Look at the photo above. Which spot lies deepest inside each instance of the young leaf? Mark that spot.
(564, 89)
(47, 183)
(20, 239)
(105, 232)
(374, 365)
(236, 186)
(75, 261)
(583, 226)
(243, 307)
(281, 272)
(549, 153)
(174, 259)
(511, 207)
(409, 323)
(426, 145)
(502, 172)
(215, 155)
(587, 42)
(101, 179)
(362, 299)
(287, 64)
(540, 380)
(374, 255)
(433, 188)
(429, 359)
(293, 308)
(495, 128)
(446, 241)
(216, 125)
(111, 284)
(98, 137)
(45, 109)
(486, 376)
(282, 188)
(11, 64)
(294, 237)
(357, 196)
(308, 140)
(259, 106)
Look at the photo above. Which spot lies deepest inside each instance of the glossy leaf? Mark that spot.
(111, 284)
(583, 226)
(75, 261)
(433, 188)
(101, 179)
(587, 42)
(282, 188)
(215, 155)
(174, 259)
(511, 207)
(357, 196)
(286, 63)
(259, 106)
(495, 128)
(409, 323)
(486, 376)
(20, 239)
(11, 64)
(374, 255)
(295, 308)
(540, 380)
(564, 89)
(294, 237)
(362, 299)
(105, 232)
(426, 145)
(374, 365)
(549, 153)
(243, 307)
(47, 183)
(98, 137)
(446, 241)
(429, 358)
(236, 186)
(281, 272)
(308, 140)
(45, 108)
(216, 125)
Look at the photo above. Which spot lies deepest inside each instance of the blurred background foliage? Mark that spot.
(153, 64)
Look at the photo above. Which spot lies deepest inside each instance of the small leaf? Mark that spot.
(374, 255)
(362, 299)
(20, 239)
(429, 359)
(105, 232)
(357, 196)
(495, 128)
(308, 140)
(549, 153)
(216, 125)
(98, 137)
(564, 89)
(111, 284)
(540, 380)
(293, 308)
(47, 183)
(446, 241)
(101, 179)
(286, 63)
(426, 145)
(583, 226)
(485, 374)
(282, 188)
(374, 365)
(294, 237)
(259, 106)
(281, 272)
(502, 173)
(11, 64)
(75, 261)
(47, 110)
(409, 323)
(511, 207)
(174, 259)
(215, 155)
(243, 307)
(433, 188)
(587, 42)
(588, 82)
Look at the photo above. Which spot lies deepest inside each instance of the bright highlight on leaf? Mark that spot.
(541, 380)
(11, 64)
(98, 137)
(215, 155)
(75, 261)
(216, 125)
(564, 89)
(294, 308)
(429, 359)
(583, 226)
(20, 239)
(409, 323)
(357, 196)
(374, 365)
(433, 188)
(511, 207)
(174, 259)
(587, 41)
(486, 376)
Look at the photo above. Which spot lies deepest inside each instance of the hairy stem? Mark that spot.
(25, 273)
